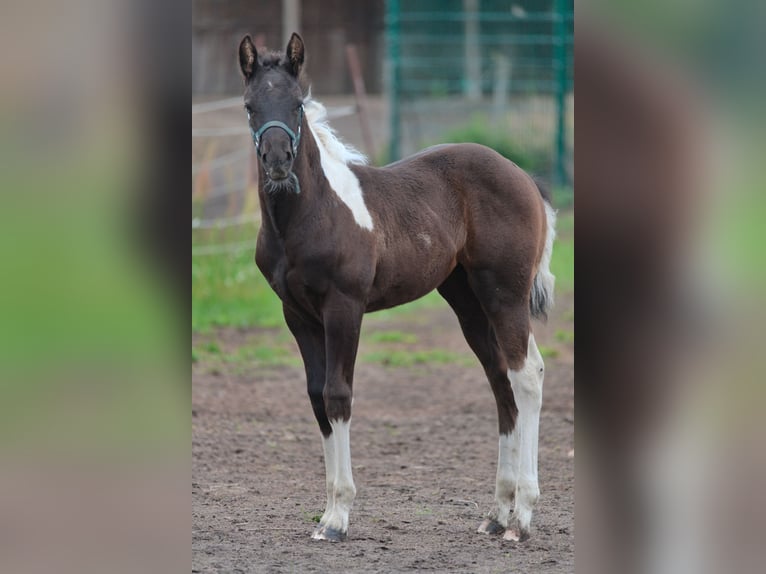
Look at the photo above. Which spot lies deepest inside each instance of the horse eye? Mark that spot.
(248, 109)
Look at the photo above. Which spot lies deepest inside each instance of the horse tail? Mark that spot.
(541, 298)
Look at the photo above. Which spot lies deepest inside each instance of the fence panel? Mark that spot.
(494, 71)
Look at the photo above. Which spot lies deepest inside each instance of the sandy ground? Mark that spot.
(424, 441)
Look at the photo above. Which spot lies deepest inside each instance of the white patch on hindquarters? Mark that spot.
(425, 238)
(527, 385)
(335, 157)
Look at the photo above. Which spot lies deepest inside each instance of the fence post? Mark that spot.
(291, 19)
(560, 69)
(393, 25)
(501, 66)
(471, 51)
(360, 94)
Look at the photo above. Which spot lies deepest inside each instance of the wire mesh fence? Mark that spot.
(494, 71)
(225, 210)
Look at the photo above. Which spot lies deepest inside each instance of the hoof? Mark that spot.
(516, 534)
(329, 534)
(491, 526)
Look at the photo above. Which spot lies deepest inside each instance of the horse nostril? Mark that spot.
(289, 155)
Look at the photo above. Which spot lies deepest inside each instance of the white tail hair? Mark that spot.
(541, 298)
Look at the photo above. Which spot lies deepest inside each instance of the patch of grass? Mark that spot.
(547, 352)
(565, 336)
(562, 259)
(243, 358)
(562, 197)
(213, 348)
(311, 516)
(228, 290)
(264, 355)
(391, 428)
(393, 358)
(392, 337)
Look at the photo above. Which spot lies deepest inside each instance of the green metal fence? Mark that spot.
(493, 71)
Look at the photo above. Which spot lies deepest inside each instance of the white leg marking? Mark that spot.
(527, 384)
(343, 489)
(505, 484)
(329, 467)
(507, 475)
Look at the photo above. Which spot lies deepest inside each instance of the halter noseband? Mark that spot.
(295, 136)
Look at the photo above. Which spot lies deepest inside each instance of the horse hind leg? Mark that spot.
(527, 384)
(481, 338)
(526, 370)
(508, 311)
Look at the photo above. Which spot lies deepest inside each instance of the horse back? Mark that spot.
(449, 204)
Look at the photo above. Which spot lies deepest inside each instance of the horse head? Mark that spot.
(274, 104)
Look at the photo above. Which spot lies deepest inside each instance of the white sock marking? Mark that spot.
(330, 464)
(335, 156)
(343, 489)
(507, 473)
(527, 385)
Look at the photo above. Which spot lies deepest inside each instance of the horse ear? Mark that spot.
(295, 52)
(248, 57)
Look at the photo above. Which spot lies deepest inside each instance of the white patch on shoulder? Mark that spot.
(425, 238)
(335, 157)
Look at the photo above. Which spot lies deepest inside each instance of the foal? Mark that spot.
(340, 238)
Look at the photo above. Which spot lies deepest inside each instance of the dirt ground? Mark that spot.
(424, 448)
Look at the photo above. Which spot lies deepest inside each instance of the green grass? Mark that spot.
(310, 516)
(398, 358)
(229, 291)
(547, 352)
(262, 355)
(565, 336)
(562, 259)
(392, 337)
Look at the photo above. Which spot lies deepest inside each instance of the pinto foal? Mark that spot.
(339, 238)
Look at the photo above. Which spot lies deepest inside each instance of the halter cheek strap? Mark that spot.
(295, 136)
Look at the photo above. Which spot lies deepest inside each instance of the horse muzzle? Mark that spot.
(278, 173)
(276, 157)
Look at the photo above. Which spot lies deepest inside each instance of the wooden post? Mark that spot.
(291, 19)
(360, 94)
(502, 69)
(471, 51)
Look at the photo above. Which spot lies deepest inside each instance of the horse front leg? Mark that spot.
(342, 318)
(309, 334)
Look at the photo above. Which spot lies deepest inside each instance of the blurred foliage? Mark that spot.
(479, 130)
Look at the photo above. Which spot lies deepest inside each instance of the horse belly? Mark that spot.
(410, 274)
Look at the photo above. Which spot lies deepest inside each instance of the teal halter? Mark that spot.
(295, 136)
